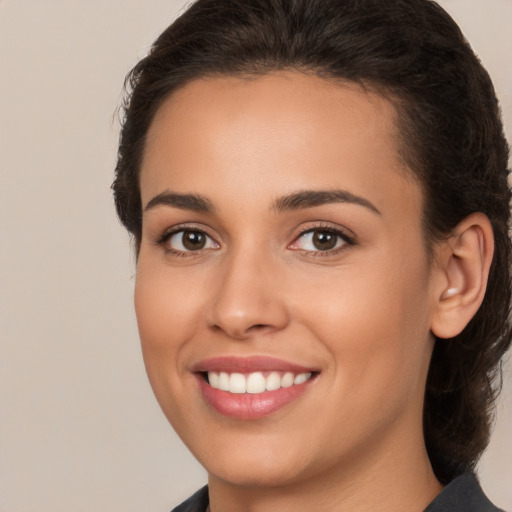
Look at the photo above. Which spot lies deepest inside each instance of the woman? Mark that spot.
(318, 195)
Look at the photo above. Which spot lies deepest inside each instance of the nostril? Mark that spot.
(259, 328)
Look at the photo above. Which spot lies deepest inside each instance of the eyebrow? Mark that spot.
(312, 198)
(192, 202)
(296, 201)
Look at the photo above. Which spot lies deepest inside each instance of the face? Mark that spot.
(283, 290)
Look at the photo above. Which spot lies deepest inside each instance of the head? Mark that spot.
(449, 137)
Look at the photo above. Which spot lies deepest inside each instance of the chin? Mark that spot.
(253, 463)
(251, 473)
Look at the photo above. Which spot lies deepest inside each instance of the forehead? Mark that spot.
(292, 129)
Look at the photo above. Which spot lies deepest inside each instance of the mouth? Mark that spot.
(251, 388)
(256, 382)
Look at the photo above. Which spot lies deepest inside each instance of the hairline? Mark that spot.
(255, 70)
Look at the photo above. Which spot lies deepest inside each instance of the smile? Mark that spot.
(253, 387)
(256, 382)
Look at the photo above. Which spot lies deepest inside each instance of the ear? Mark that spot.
(462, 269)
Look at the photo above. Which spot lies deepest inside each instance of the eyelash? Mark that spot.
(345, 238)
(167, 235)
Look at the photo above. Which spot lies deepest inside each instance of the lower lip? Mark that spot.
(248, 406)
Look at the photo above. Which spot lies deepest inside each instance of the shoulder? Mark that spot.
(196, 503)
(462, 494)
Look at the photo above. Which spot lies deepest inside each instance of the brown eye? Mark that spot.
(188, 240)
(318, 240)
(193, 240)
(324, 240)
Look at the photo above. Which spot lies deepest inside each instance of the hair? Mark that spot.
(452, 140)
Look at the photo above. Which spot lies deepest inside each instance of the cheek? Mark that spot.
(165, 322)
(163, 316)
(375, 325)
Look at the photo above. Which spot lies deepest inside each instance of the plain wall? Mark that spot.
(79, 427)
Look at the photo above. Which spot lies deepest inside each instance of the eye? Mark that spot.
(321, 240)
(188, 240)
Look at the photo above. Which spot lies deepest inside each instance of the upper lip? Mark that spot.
(248, 365)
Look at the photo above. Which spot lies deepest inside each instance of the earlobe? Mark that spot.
(463, 263)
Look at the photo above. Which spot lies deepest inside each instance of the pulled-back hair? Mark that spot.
(413, 53)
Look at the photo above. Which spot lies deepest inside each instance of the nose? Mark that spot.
(247, 298)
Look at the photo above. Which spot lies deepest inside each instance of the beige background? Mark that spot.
(79, 427)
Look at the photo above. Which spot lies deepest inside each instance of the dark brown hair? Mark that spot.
(412, 52)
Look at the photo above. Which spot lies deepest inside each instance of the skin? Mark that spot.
(361, 314)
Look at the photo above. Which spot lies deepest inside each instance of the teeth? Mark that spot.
(273, 382)
(287, 380)
(301, 378)
(223, 381)
(254, 382)
(214, 380)
(237, 383)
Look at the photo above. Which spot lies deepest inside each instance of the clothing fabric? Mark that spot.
(463, 494)
(196, 503)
